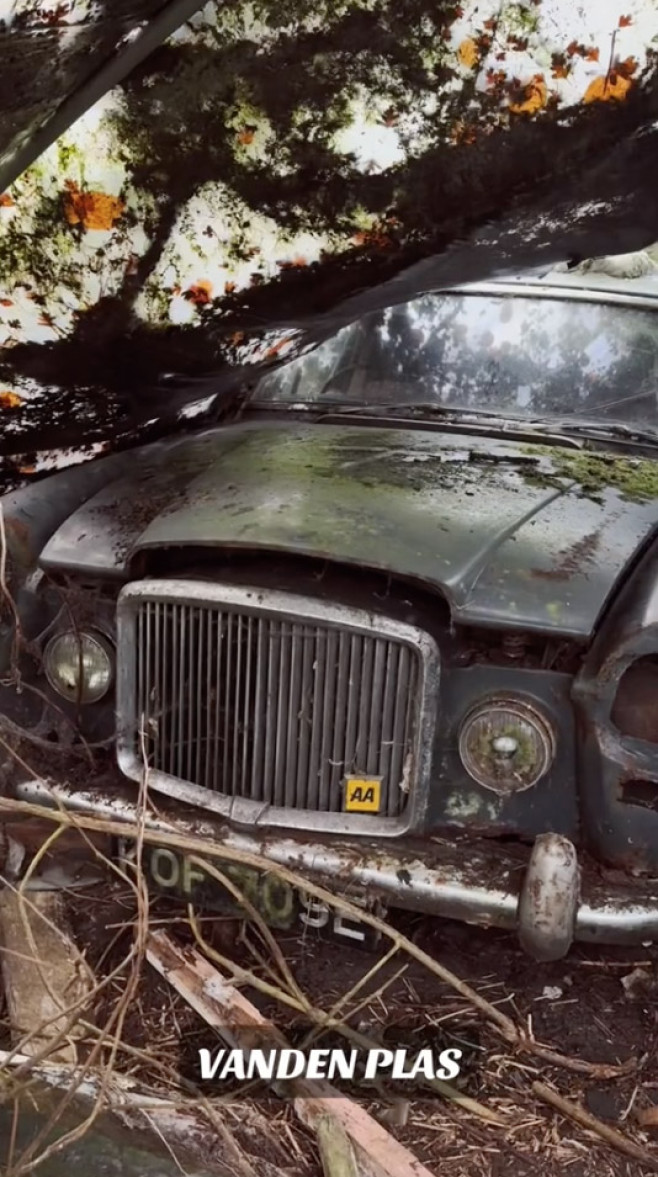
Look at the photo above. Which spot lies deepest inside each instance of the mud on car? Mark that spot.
(396, 626)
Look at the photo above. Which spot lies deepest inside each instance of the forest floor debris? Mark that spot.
(567, 1082)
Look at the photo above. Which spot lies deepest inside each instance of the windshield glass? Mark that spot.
(509, 354)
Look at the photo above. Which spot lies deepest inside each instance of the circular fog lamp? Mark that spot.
(506, 745)
(79, 666)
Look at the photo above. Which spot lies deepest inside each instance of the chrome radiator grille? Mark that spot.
(250, 702)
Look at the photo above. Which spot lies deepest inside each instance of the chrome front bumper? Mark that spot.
(547, 899)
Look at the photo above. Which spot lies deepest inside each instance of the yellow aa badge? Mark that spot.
(363, 794)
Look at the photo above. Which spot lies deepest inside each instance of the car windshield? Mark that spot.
(509, 354)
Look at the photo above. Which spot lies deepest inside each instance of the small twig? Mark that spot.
(586, 1120)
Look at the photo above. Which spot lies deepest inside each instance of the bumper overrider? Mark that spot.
(543, 892)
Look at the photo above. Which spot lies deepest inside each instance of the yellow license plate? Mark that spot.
(363, 794)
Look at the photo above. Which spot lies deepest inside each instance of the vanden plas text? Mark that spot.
(329, 1063)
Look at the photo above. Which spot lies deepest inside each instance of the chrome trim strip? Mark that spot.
(258, 603)
(447, 891)
(557, 291)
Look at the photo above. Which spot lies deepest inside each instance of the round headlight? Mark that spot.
(79, 666)
(506, 745)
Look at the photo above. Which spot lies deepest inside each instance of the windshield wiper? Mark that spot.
(556, 427)
(611, 429)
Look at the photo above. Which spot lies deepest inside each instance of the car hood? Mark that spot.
(526, 535)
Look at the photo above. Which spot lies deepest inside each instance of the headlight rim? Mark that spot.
(527, 710)
(101, 640)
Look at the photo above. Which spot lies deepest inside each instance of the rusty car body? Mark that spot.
(396, 626)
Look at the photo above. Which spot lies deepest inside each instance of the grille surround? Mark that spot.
(274, 607)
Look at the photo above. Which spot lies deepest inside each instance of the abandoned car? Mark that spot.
(394, 626)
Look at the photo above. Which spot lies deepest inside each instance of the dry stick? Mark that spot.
(257, 918)
(29, 1162)
(574, 1112)
(512, 1033)
(217, 1000)
(322, 1019)
(222, 1130)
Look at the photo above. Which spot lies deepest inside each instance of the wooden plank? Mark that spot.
(241, 1025)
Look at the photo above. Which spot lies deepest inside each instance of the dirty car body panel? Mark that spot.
(396, 625)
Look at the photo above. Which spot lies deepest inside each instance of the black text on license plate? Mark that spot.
(279, 903)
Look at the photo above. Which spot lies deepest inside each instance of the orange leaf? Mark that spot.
(626, 68)
(6, 201)
(535, 96)
(607, 89)
(200, 293)
(276, 347)
(246, 136)
(92, 210)
(6, 302)
(10, 400)
(467, 53)
(572, 48)
(560, 70)
(229, 287)
(625, 21)
(592, 54)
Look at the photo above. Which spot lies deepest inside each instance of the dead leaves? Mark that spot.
(533, 98)
(613, 86)
(6, 201)
(467, 53)
(200, 293)
(92, 210)
(9, 399)
(625, 22)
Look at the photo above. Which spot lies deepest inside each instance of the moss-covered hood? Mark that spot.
(524, 535)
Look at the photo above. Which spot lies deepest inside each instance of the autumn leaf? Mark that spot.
(559, 67)
(276, 347)
(626, 68)
(246, 135)
(92, 210)
(607, 89)
(229, 287)
(625, 21)
(10, 400)
(535, 96)
(592, 54)
(574, 47)
(200, 293)
(6, 201)
(6, 302)
(467, 53)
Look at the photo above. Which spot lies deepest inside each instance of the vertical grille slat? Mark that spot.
(275, 708)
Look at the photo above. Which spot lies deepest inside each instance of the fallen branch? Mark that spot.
(610, 1135)
(230, 1013)
(204, 849)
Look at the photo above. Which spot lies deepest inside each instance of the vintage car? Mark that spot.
(395, 626)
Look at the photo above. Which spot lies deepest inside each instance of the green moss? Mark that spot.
(636, 479)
